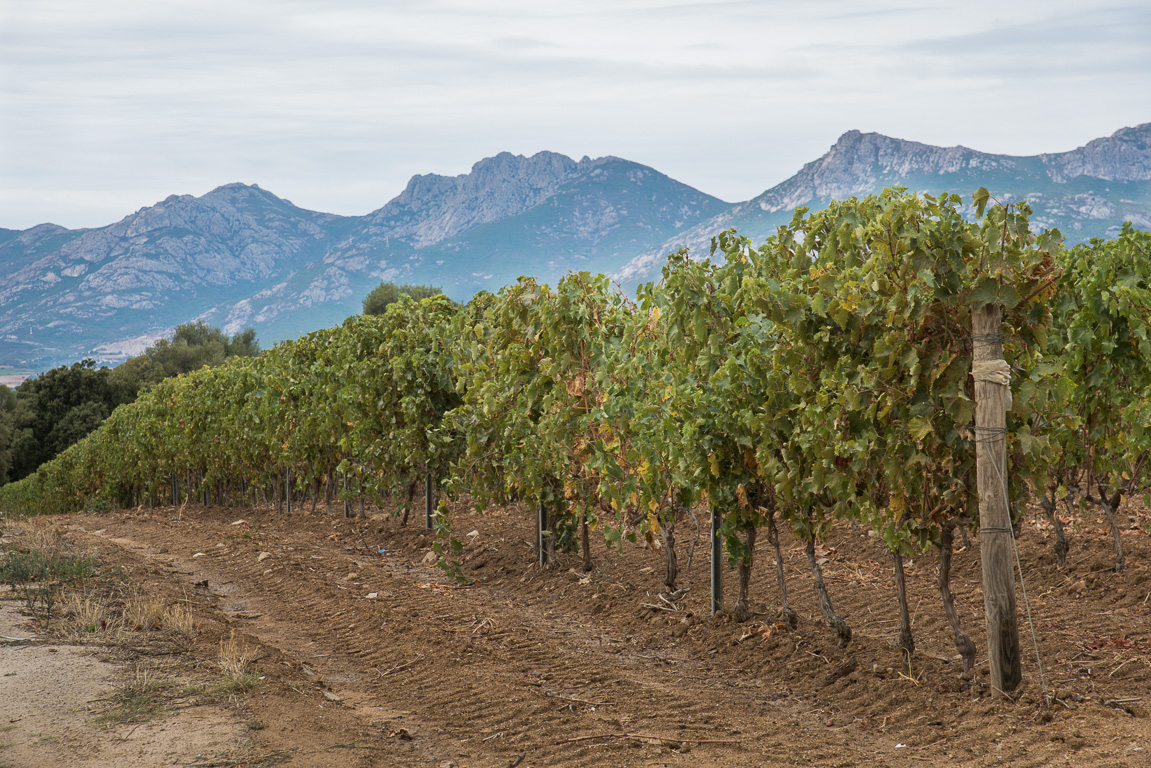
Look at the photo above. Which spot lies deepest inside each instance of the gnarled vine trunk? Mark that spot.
(742, 610)
(585, 542)
(788, 615)
(670, 559)
(1062, 546)
(842, 630)
(413, 486)
(963, 642)
(1110, 504)
(906, 640)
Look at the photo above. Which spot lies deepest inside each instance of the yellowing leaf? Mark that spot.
(919, 427)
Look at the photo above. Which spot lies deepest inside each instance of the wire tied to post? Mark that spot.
(987, 435)
(999, 372)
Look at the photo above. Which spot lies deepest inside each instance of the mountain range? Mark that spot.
(240, 256)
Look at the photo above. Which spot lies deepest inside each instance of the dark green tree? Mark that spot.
(192, 346)
(7, 430)
(50, 412)
(388, 293)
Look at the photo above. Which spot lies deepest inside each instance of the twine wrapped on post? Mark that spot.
(993, 372)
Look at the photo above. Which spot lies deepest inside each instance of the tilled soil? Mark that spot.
(373, 657)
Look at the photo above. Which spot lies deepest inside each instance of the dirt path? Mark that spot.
(52, 696)
(375, 658)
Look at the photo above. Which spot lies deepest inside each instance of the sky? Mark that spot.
(110, 106)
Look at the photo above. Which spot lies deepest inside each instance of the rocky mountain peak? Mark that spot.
(1123, 156)
(860, 162)
(433, 207)
(227, 211)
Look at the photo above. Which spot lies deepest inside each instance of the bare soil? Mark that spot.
(371, 656)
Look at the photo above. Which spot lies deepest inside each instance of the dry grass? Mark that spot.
(138, 701)
(143, 611)
(88, 614)
(234, 656)
(83, 613)
(102, 609)
(178, 617)
(234, 661)
(37, 533)
(38, 563)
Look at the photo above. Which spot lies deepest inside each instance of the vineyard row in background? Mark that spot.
(824, 377)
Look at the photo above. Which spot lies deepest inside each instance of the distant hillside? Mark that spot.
(511, 216)
(1087, 192)
(241, 256)
(107, 292)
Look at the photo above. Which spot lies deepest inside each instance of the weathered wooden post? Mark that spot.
(288, 489)
(992, 395)
(429, 503)
(716, 562)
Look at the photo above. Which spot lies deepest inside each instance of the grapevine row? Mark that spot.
(819, 379)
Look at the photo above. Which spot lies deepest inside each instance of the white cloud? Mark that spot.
(110, 106)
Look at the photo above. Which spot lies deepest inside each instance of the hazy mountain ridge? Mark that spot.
(433, 208)
(1086, 192)
(69, 291)
(241, 256)
(1123, 156)
(543, 215)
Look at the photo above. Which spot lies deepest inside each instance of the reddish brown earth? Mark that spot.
(376, 658)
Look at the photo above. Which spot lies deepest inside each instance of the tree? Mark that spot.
(50, 412)
(192, 346)
(7, 430)
(388, 293)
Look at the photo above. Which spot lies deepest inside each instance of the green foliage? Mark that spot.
(7, 431)
(1102, 342)
(1099, 414)
(447, 549)
(821, 377)
(384, 294)
(192, 346)
(363, 400)
(37, 576)
(532, 374)
(50, 412)
(874, 322)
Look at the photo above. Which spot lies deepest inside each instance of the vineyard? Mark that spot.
(816, 388)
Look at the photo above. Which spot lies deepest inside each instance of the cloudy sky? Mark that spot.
(109, 106)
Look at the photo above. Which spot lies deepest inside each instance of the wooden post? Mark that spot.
(429, 502)
(288, 489)
(541, 533)
(716, 562)
(995, 537)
